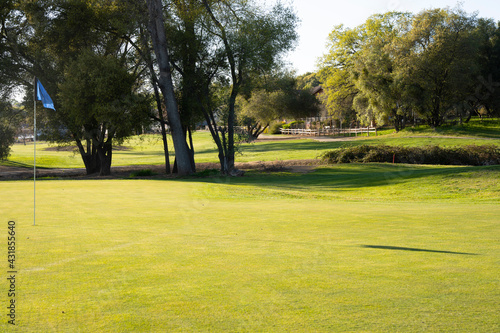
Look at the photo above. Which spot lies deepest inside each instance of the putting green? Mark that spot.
(324, 251)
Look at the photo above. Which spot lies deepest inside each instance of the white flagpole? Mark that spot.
(34, 154)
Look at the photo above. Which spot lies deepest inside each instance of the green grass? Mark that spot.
(350, 248)
(148, 149)
(487, 128)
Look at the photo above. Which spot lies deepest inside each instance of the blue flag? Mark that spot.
(42, 95)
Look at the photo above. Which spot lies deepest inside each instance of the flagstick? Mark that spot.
(34, 156)
(39, 94)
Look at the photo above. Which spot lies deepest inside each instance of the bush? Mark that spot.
(7, 138)
(468, 155)
(294, 124)
(275, 128)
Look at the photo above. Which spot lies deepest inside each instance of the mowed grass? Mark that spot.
(350, 248)
(148, 149)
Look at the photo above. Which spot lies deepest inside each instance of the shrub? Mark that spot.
(7, 138)
(468, 155)
(295, 124)
(275, 128)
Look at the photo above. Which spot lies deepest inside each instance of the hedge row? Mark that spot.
(467, 155)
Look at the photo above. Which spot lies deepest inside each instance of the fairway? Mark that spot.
(353, 248)
(148, 149)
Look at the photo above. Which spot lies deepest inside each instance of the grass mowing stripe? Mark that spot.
(199, 255)
(288, 277)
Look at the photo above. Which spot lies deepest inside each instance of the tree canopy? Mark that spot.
(432, 65)
(10, 119)
(274, 97)
(77, 49)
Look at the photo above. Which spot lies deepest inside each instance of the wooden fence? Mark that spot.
(330, 131)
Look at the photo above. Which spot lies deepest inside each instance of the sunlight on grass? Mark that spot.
(487, 128)
(148, 149)
(378, 248)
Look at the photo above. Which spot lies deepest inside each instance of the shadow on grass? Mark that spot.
(347, 176)
(20, 165)
(487, 128)
(397, 248)
(284, 145)
(272, 147)
(292, 145)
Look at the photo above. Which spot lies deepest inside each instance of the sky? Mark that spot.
(318, 17)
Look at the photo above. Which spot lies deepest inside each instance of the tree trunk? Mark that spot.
(397, 120)
(161, 118)
(162, 123)
(146, 56)
(105, 151)
(191, 149)
(90, 157)
(469, 116)
(435, 115)
(157, 31)
(105, 154)
(212, 126)
(230, 132)
(237, 80)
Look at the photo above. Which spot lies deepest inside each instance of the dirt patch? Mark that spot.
(269, 137)
(299, 166)
(73, 148)
(324, 138)
(17, 173)
(60, 148)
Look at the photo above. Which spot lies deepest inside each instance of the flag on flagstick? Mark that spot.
(40, 94)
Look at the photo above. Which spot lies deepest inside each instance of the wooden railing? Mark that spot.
(329, 131)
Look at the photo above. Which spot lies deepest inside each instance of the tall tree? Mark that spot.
(375, 75)
(488, 82)
(336, 72)
(161, 47)
(128, 20)
(97, 94)
(49, 37)
(274, 97)
(253, 41)
(438, 62)
(194, 58)
(93, 76)
(396, 63)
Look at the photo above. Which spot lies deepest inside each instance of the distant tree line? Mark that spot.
(114, 67)
(396, 67)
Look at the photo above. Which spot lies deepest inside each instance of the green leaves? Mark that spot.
(98, 89)
(397, 64)
(8, 124)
